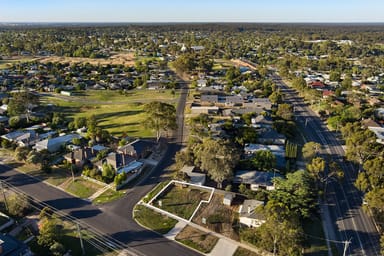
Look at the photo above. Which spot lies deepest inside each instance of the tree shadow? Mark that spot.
(83, 214)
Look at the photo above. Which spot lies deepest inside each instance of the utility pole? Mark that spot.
(346, 244)
(81, 239)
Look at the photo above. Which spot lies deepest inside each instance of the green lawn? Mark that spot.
(82, 188)
(181, 201)
(108, 196)
(153, 220)
(154, 191)
(115, 112)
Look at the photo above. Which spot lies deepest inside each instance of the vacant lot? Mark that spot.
(114, 112)
(153, 220)
(6, 63)
(199, 240)
(181, 201)
(126, 59)
(219, 217)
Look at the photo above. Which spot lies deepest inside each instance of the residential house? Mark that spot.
(21, 137)
(376, 128)
(316, 85)
(80, 156)
(3, 108)
(55, 144)
(204, 110)
(271, 136)
(207, 99)
(327, 94)
(277, 150)
(117, 160)
(138, 149)
(263, 103)
(10, 246)
(262, 121)
(4, 119)
(202, 83)
(256, 179)
(228, 198)
(249, 216)
(234, 100)
(195, 177)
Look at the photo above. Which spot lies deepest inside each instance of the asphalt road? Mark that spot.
(345, 219)
(113, 219)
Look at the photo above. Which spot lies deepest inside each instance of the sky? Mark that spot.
(191, 11)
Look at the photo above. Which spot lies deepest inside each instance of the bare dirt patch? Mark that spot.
(219, 217)
(197, 239)
(126, 59)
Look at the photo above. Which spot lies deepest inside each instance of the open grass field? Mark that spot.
(124, 58)
(115, 112)
(6, 63)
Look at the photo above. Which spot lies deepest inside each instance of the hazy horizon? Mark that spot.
(198, 11)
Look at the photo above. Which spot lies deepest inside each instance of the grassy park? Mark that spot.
(118, 113)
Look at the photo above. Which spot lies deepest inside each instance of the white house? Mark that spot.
(248, 216)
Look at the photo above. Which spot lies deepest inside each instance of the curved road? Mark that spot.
(345, 220)
(113, 219)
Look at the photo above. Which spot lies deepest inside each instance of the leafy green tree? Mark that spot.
(17, 204)
(218, 158)
(21, 153)
(108, 172)
(50, 231)
(285, 111)
(334, 76)
(80, 122)
(362, 146)
(281, 237)
(293, 196)
(299, 83)
(58, 119)
(276, 97)
(316, 167)
(91, 127)
(372, 176)
(264, 160)
(21, 103)
(310, 150)
(184, 63)
(16, 122)
(160, 117)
